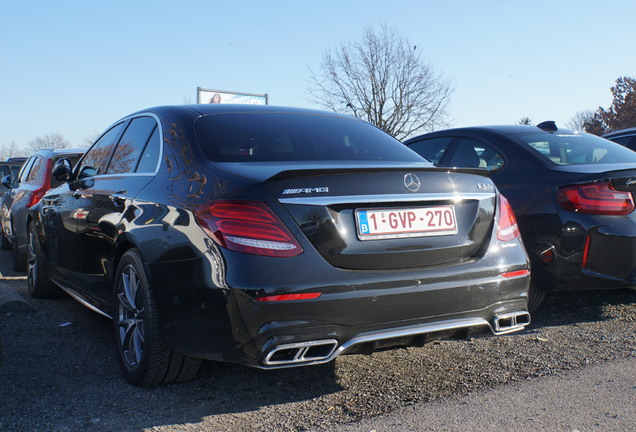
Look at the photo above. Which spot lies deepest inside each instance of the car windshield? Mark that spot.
(276, 136)
(15, 169)
(577, 148)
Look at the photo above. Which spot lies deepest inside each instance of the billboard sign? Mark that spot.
(206, 96)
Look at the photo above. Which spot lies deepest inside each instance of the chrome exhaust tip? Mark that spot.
(510, 322)
(301, 352)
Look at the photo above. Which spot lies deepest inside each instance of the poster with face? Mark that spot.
(206, 96)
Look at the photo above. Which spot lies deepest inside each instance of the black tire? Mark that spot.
(5, 244)
(19, 258)
(38, 280)
(143, 356)
(535, 296)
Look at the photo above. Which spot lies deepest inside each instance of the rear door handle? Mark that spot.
(77, 194)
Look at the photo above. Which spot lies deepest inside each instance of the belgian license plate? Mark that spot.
(375, 224)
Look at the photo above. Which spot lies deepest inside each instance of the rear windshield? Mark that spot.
(270, 136)
(576, 148)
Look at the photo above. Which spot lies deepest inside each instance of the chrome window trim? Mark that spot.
(127, 121)
(159, 126)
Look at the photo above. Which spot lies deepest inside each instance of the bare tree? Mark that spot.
(49, 141)
(579, 120)
(382, 79)
(525, 121)
(89, 140)
(10, 150)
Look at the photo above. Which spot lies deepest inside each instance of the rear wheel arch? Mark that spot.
(121, 247)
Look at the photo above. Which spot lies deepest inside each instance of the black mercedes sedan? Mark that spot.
(572, 193)
(272, 237)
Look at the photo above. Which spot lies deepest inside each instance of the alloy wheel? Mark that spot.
(32, 271)
(130, 317)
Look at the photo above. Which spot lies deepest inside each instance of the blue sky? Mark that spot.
(74, 67)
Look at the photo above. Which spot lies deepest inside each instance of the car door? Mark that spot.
(104, 196)
(62, 214)
(21, 200)
(9, 198)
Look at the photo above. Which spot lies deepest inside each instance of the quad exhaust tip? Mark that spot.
(510, 322)
(302, 352)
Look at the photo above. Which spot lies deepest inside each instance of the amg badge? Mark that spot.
(306, 190)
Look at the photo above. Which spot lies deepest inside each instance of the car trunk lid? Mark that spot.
(424, 216)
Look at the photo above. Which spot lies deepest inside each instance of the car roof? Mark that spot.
(514, 129)
(18, 159)
(628, 131)
(206, 109)
(60, 152)
(492, 129)
(13, 162)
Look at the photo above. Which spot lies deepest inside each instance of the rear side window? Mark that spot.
(97, 157)
(132, 145)
(577, 149)
(270, 136)
(24, 171)
(432, 149)
(150, 157)
(34, 172)
(474, 153)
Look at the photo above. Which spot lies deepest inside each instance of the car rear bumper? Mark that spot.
(218, 318)
(597, 257)
(309, 352)
(612, 255)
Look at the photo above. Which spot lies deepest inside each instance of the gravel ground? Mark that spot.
(58, 372)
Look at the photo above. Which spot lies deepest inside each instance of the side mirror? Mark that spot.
(7, 181)
(62, 170)
(86, 172)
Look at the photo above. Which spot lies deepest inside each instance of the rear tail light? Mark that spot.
(38, 193)
(36, 196)
(507, 228)
(247, 226)
(596, 198)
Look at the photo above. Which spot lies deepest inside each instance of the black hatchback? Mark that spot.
(272, 237)
(572, 193)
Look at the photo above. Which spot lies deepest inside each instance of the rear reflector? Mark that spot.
(586, 251)
(516, 273)
(247, 226)
(596, 198)
(288, 297)
(507, 228)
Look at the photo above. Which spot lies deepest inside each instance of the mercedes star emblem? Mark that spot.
(411, 182)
